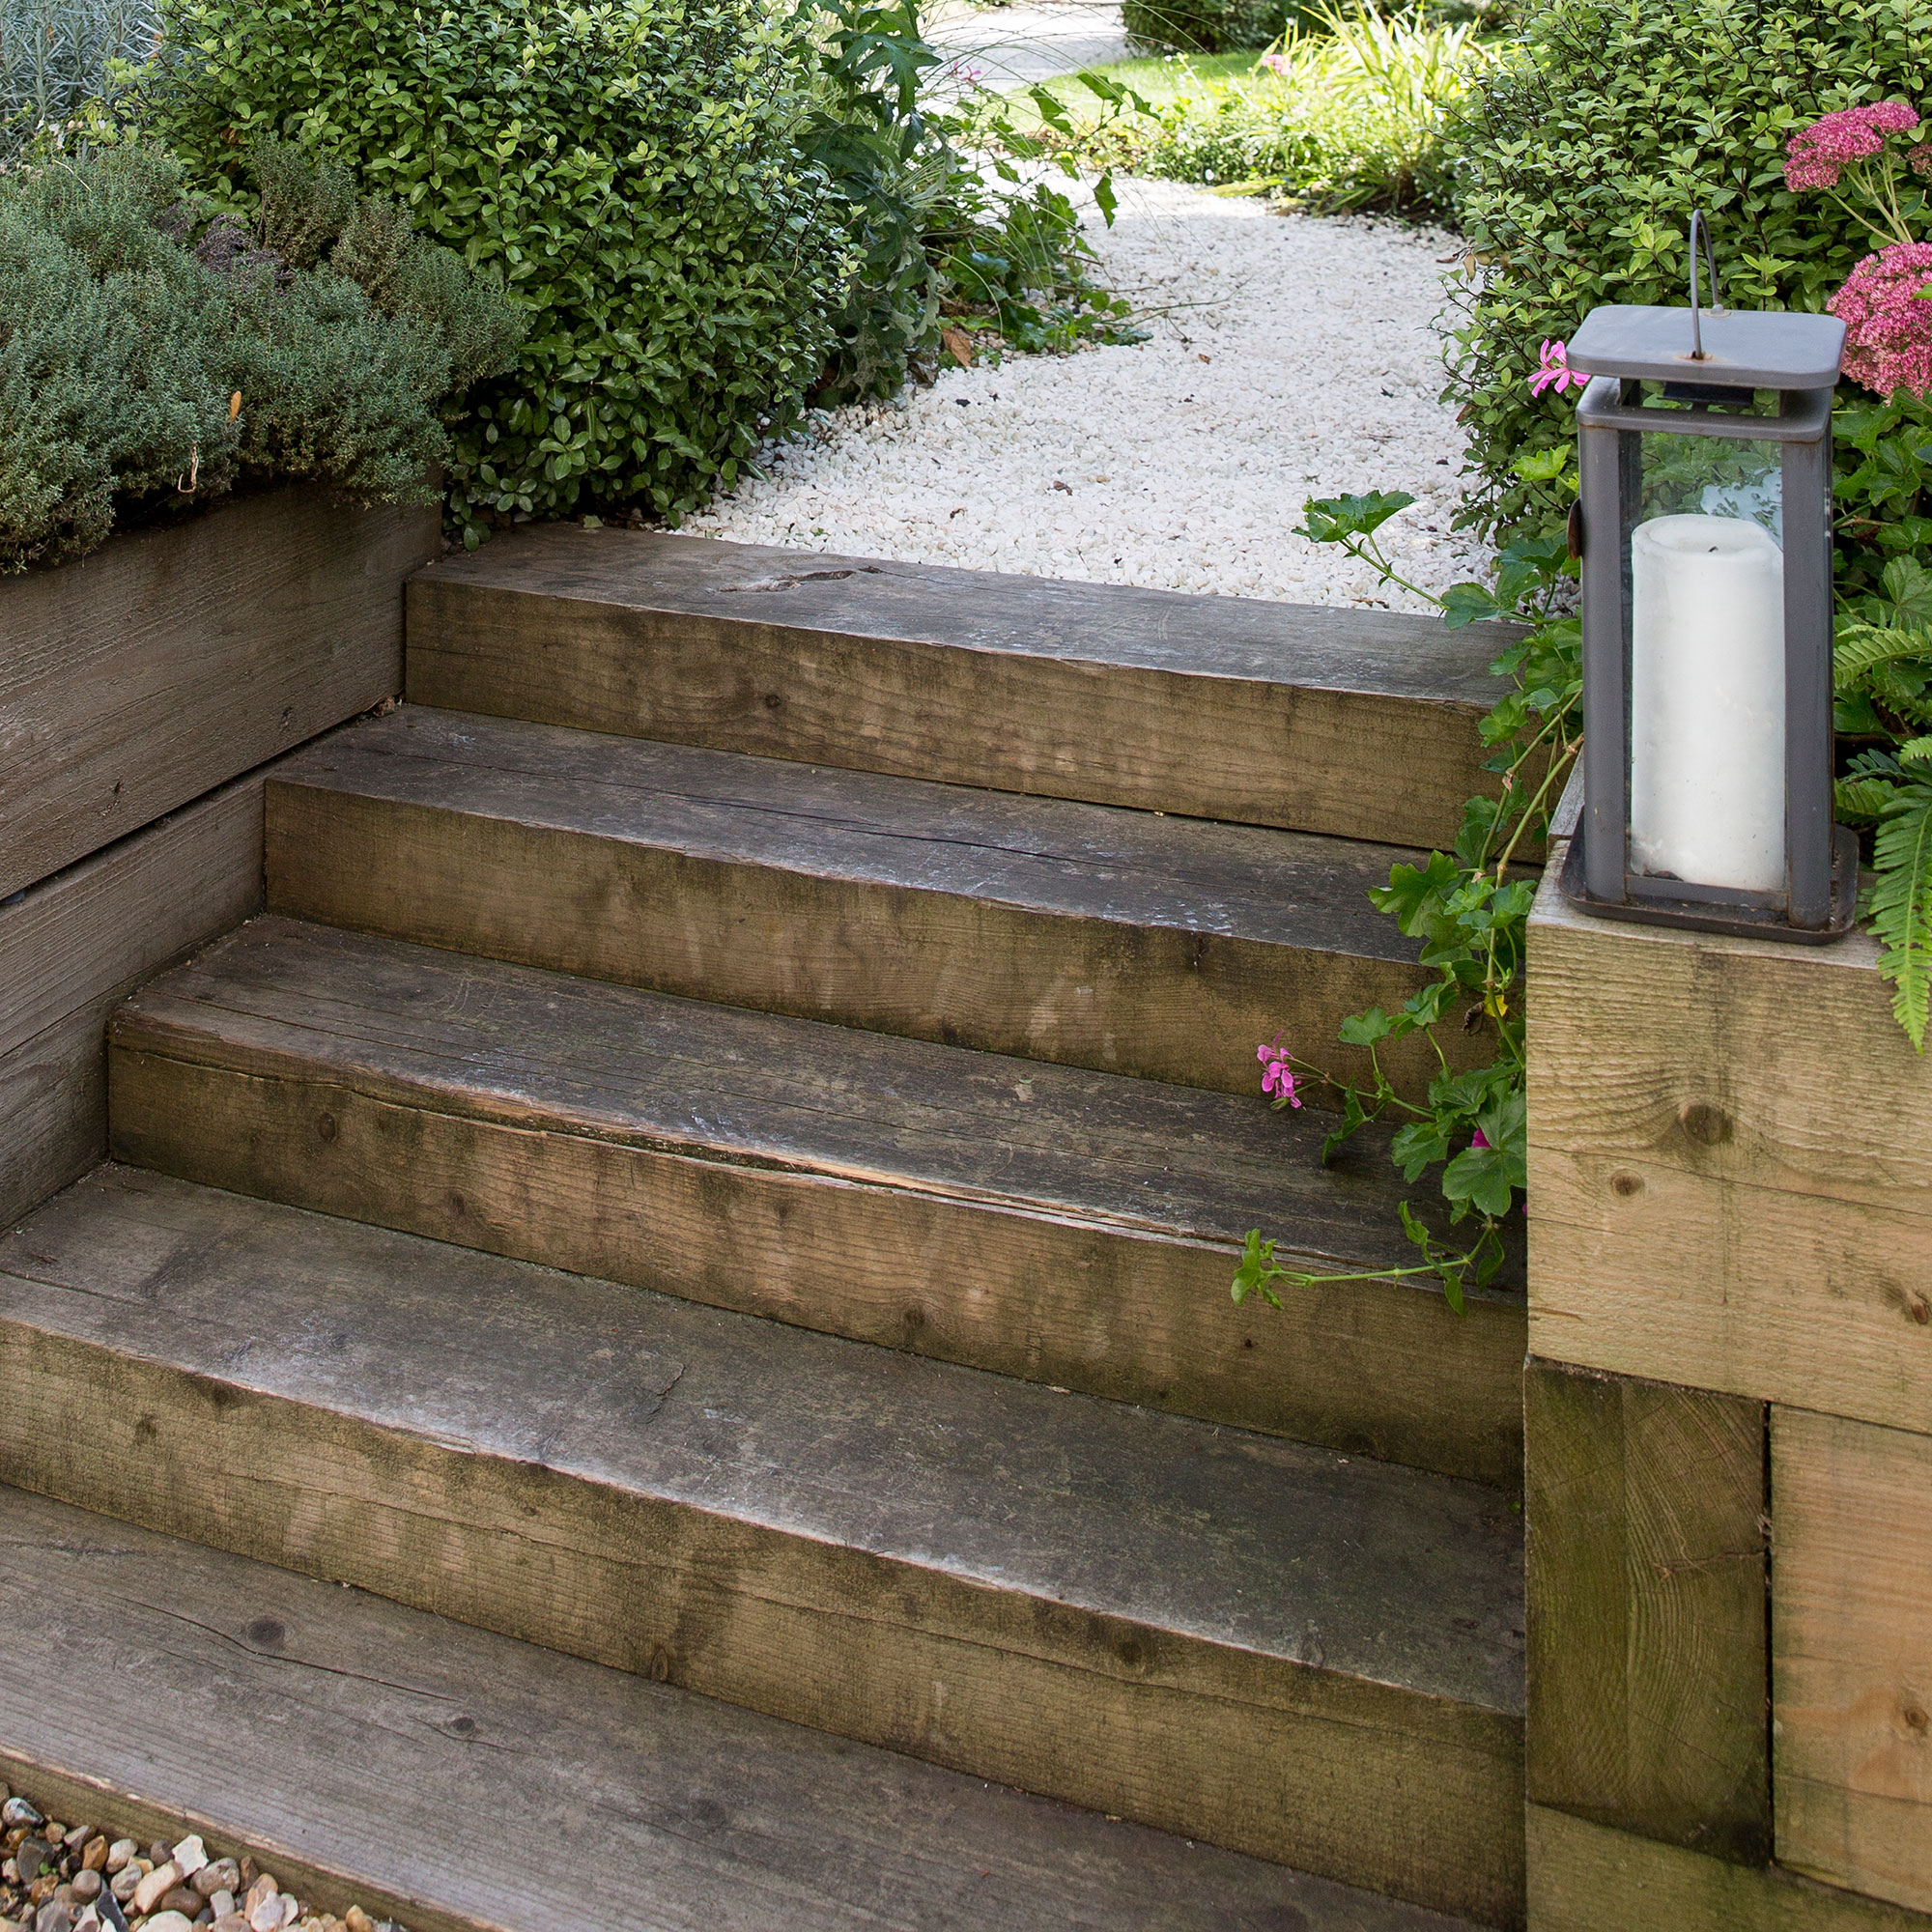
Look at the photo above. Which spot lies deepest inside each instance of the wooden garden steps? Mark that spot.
(466, 1783)
(1291, 1653)
(1357, 723)
(1085, 935)
(1069, 1227)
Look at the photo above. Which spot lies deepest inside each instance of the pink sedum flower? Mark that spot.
(1888, 329)
(1819, 153)
(1278, 1076)
(1554, 370)
(1275, 63)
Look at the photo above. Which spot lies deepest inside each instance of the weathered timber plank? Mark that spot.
(1073, 1228)
(173, 660)
(1645, 1553)
(1709, 1204)
(1241, 1639)
(1355, 723)
(1077, 933)
(72, 947)
(1851, 1652)
(1587, 1878)
(459, 1779)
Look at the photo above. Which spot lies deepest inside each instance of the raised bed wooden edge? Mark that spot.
(174, 659)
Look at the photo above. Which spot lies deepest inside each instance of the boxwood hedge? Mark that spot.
(629, 166)
(1585, 154)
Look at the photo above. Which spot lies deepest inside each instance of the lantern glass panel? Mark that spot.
(1704, 557)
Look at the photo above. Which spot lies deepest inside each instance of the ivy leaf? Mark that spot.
(1365, 1029)
(1414, 893)
(1466, 603)
(1334, 519)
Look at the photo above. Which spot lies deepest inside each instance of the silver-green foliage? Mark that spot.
(57, 55)
(630, 167)
(152, 355)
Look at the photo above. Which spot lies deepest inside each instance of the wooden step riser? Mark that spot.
(1370, 1368)
(1151, 1001)
(1357, 1782)
(1356, 764)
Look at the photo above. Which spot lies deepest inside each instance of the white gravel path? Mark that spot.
(1299, 357)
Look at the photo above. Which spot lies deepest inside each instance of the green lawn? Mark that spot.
(1157, 79)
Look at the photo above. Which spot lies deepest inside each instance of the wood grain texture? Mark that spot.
(1357, 723)
(1072, 1228)
(1645, 1551)
(1077, 933)
(1714, 1200)
(1242, 1640)
(1851, 1652)
(460, 1781)
(1587, 1878)
(173, 660)
(74, 945)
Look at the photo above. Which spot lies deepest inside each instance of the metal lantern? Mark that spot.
(1706, 547)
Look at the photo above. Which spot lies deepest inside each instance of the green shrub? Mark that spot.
(1206, 26)
(952, 241)
(154, 354)
(1353, 115)
(629, 166)
(1585, 154)
(56, 56)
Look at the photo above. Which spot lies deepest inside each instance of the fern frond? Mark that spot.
(1860, 648)
(1919, 750)
(1861, 801)
(1899, 906)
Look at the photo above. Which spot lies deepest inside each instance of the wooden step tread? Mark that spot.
(1130, 869)
(1352, 722)
(553, 1052)
(1081, 934)
(1196, 1627)
(1071, 1227)
(466, 1783)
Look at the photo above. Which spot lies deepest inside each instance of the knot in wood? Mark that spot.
(1704, 1124)
(1626, 1183)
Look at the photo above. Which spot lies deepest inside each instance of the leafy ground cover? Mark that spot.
(1350, 112)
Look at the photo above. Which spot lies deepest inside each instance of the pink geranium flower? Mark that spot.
(1479, 1139)
(1820, 152)
(1554, 370)
(1278, 1080)
(1887, 328)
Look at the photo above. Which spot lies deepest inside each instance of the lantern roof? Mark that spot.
(1743, 349)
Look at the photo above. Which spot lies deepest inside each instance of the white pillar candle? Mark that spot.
(1706, 701)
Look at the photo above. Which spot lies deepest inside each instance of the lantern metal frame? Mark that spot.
(1711, 366)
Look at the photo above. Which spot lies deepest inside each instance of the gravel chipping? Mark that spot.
(57, 1876)
(1291, 356)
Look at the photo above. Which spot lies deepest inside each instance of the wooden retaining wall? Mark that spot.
(1730, 1435)
(142, 692)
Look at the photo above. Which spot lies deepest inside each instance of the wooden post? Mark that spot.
(1731, 1191)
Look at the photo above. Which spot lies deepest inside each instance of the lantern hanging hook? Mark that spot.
(1700, 228)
